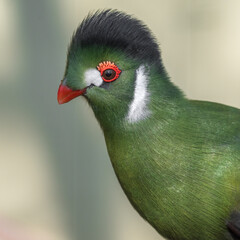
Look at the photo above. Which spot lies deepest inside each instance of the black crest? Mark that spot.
(118, 30)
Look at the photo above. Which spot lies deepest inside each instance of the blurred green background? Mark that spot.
(56, 180)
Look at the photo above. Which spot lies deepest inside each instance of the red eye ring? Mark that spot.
(110, 69)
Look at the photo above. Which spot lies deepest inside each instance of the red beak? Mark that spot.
(66, 94)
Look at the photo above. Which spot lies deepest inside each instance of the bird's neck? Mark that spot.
(156, 98)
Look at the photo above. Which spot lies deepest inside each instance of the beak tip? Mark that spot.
(59, 102)
(60, 96)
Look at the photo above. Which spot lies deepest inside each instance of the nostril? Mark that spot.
(92, 85)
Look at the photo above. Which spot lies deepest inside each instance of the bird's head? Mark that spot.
(110, 61)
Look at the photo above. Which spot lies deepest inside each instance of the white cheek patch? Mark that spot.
(138, 108)
(93, 76)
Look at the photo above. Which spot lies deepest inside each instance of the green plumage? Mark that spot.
(179, 166)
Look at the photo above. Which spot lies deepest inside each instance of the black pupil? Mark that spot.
(109, 74)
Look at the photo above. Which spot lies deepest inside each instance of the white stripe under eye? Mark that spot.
(138, 108)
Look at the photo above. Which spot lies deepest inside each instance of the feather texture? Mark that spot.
(177, 160)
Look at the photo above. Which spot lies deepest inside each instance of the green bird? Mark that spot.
(177, 160)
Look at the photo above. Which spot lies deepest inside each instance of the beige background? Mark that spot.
(56, 181)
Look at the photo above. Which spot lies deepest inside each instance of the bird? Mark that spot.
(176, 159)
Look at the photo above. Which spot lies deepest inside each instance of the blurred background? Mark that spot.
(56, 180)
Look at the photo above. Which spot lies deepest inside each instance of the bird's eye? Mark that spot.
(109, 71)
(109, 74)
